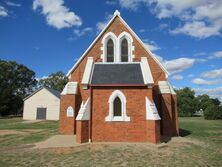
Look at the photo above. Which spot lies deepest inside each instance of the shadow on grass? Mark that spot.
(10, 116)
(184, 132)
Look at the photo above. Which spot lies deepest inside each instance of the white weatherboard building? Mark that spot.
(43, 104)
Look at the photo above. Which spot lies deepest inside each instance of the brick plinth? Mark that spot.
(82, 131)
(153, 131)
(169, 115)
(67, 124)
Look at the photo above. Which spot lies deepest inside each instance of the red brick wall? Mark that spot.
(138, 129)
(67, 124)
(82, 131)
(169, 116)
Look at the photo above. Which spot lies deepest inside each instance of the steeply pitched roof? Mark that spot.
(117, 74)
(117, 14)
(52, 91)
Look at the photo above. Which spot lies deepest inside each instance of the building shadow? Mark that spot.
(184, 132)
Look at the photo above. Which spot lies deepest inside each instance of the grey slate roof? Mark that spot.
(117, 74)
(54, 92)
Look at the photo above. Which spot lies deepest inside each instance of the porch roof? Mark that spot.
(114, 74)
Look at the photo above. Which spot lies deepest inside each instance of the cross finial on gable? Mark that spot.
(117, 13)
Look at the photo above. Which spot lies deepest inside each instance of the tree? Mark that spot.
(55, 81)
(213, 112)
(186, 101)
(16, 81)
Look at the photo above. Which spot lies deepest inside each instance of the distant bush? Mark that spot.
(213, 112)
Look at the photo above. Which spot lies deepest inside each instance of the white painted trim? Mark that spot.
(84, 111)
(117, 14)
(151, 111)
(109, 35)
(70, 88)
(128, 37)
(117, 62)
(110, 117)
(166, 88)
(147, 76)
(87, 71)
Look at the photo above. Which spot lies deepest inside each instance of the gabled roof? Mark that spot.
(108, 73)
(52, 91)
(117, 14)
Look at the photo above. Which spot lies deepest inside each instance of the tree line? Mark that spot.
(189, 104)
(18, 81)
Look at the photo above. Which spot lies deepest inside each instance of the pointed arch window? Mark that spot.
(110, 51)
(124, 50)
(117, 107)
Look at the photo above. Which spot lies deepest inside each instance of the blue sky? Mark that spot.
(50, 35)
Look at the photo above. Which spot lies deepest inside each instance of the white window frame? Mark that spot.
(128, 37)
(111, 117)
(117, 46)
(105, 39)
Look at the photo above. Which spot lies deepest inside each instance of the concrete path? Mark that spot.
(58, 141)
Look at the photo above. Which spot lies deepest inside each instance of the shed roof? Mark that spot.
(117, 74)
(52, 91)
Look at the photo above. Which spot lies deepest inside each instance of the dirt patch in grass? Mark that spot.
(11, 132)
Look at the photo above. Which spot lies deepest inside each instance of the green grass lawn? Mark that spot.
(204, 148)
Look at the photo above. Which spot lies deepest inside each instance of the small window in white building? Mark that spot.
(124, 50)
(110, 51)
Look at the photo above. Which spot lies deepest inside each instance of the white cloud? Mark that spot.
(212, 74)
(57, 15)
(163, 26)
(9, 3)
(200, 18)
(177, 77)
(216, 55)
(83, 31)
(132, 4)
(212, 92)
(43, 77)
(141, 30)
(151, 45)
(191, 75)
(200, 81)
(200, 54)
(197, 29)
(3, 12)
(101, 25)
(178, 65)
(110, 2)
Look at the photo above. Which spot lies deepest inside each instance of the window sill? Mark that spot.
(117, 119)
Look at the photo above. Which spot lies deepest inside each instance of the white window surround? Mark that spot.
(151, 110)
(117, 46)
(123, 117)
(128, 37)
(105, 39)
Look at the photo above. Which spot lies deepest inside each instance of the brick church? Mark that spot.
(118, 91)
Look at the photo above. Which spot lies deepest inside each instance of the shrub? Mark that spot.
(213, 112)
